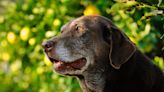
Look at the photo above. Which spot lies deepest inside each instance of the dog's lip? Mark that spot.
(61, 65)
(53, 60)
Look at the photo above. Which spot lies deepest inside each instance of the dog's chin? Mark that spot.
(69, 68)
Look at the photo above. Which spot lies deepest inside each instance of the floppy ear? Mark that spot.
(121, 48)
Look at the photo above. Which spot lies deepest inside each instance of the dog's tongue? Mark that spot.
(76, 64)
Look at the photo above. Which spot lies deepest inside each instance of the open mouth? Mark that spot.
(63, 66)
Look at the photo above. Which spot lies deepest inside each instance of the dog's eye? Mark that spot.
(77, 28)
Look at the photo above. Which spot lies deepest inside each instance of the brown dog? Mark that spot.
(102, 57)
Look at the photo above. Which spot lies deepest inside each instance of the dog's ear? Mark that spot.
(121, 48)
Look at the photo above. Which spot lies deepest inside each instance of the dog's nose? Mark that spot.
(47, 45)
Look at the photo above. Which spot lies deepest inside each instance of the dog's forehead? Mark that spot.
(81, 21)
(72, 23)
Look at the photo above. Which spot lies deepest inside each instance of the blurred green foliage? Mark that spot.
(24, 24)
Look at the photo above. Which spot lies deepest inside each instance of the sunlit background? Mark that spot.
(25, 24)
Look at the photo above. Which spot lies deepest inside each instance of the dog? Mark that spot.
(102, 58)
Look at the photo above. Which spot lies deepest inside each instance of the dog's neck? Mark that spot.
(93, 81)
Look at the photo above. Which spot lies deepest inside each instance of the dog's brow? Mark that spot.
(65, 25)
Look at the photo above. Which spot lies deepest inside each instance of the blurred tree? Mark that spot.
(24, 24)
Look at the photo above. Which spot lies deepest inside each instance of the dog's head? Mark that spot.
(86, 43)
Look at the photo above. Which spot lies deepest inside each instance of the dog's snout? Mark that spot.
(47, 45)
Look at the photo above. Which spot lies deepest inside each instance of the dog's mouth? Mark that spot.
(62, 66)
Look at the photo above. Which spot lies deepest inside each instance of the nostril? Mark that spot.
(47, 44)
